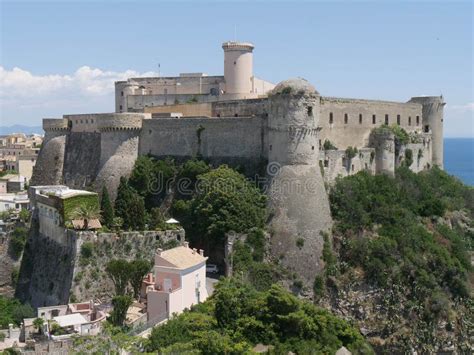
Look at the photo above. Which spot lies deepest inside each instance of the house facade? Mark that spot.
(178, 282)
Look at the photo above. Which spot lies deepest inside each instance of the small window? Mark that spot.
(417, 120)
(398, 120)
(149, 131)
(87, 121)
(271, 147)
(352, 167)
(235, 63)
(236, 115)
(331, 118)
(346, 118)
(166, 91)
(427, 129)
(92, 121)
(120, 107)
(326, 163)
(409, 120)
(360, 118)
(81, 121)
(374, 119)
(386, 120)
(310, 111)
(312, 147)
(121, 94)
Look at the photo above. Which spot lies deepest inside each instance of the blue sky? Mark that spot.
(63, 56)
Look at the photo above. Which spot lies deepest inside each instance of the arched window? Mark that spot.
(417, 120)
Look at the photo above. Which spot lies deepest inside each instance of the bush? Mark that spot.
(18, 241)
(87, 250)
(12, 311)
(403, 250)
(328, 145)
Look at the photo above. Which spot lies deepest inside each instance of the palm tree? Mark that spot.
(38, 324)
(86, 213)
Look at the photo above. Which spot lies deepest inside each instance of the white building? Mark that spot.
(179, 281)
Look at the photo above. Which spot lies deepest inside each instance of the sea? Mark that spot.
(459, 158)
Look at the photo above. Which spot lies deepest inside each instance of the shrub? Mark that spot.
(328, 145)
(87, 250)
(18, 241)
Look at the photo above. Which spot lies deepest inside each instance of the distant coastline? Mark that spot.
(459, 158)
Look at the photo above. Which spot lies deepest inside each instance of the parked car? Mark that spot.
(212, 268)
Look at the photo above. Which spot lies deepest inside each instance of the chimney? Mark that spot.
(158, 251)
(194, 250)
(186, 244)
(201, 252)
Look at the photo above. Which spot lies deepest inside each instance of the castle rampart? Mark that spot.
(348, 122)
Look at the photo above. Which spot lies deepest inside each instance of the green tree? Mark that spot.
(38, 324)
(138, 269)
(156, 219)
(119, 272)
(106, 208)
(120, 303)
(225, 201)
(130, 206)
(13, 311)
(24, 215)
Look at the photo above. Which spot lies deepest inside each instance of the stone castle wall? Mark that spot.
(360, 114)
(53, 272)
(219, 139)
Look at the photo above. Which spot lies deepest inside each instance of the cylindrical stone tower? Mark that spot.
(120, 133)
(122, 90)
(433, 107)
(49, 166)
(298, 201)
(383, 140)
(238, 68)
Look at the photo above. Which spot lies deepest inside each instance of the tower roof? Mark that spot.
(295, 86)
(237, 46)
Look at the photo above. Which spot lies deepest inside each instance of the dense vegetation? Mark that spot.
(237, 317)
(12, 311)
(397, 230)
(208, 202)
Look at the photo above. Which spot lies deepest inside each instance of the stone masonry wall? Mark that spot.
(356, 134)
(53, 271)
(216, 138)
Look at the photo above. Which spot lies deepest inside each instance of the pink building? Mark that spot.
(179, 282)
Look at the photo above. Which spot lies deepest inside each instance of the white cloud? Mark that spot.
(84, 81)
(464, 108)
(27, 97)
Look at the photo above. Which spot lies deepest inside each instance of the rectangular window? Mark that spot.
(409, 120)
(374, 119)
(398, 120)
(331, 118)
(346, 118)
(121, 94)
(386, 120)
(310, 111)
(417, 120)
(360, 118)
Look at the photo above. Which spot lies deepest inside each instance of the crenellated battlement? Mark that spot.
(121, 121)
(55, 124)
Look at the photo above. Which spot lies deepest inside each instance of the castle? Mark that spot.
(306, 139)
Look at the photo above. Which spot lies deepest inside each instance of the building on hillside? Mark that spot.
(18, 153)
(14, 201)
(178, 282)
(64, 321)
(56, 208)
(12, 183)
